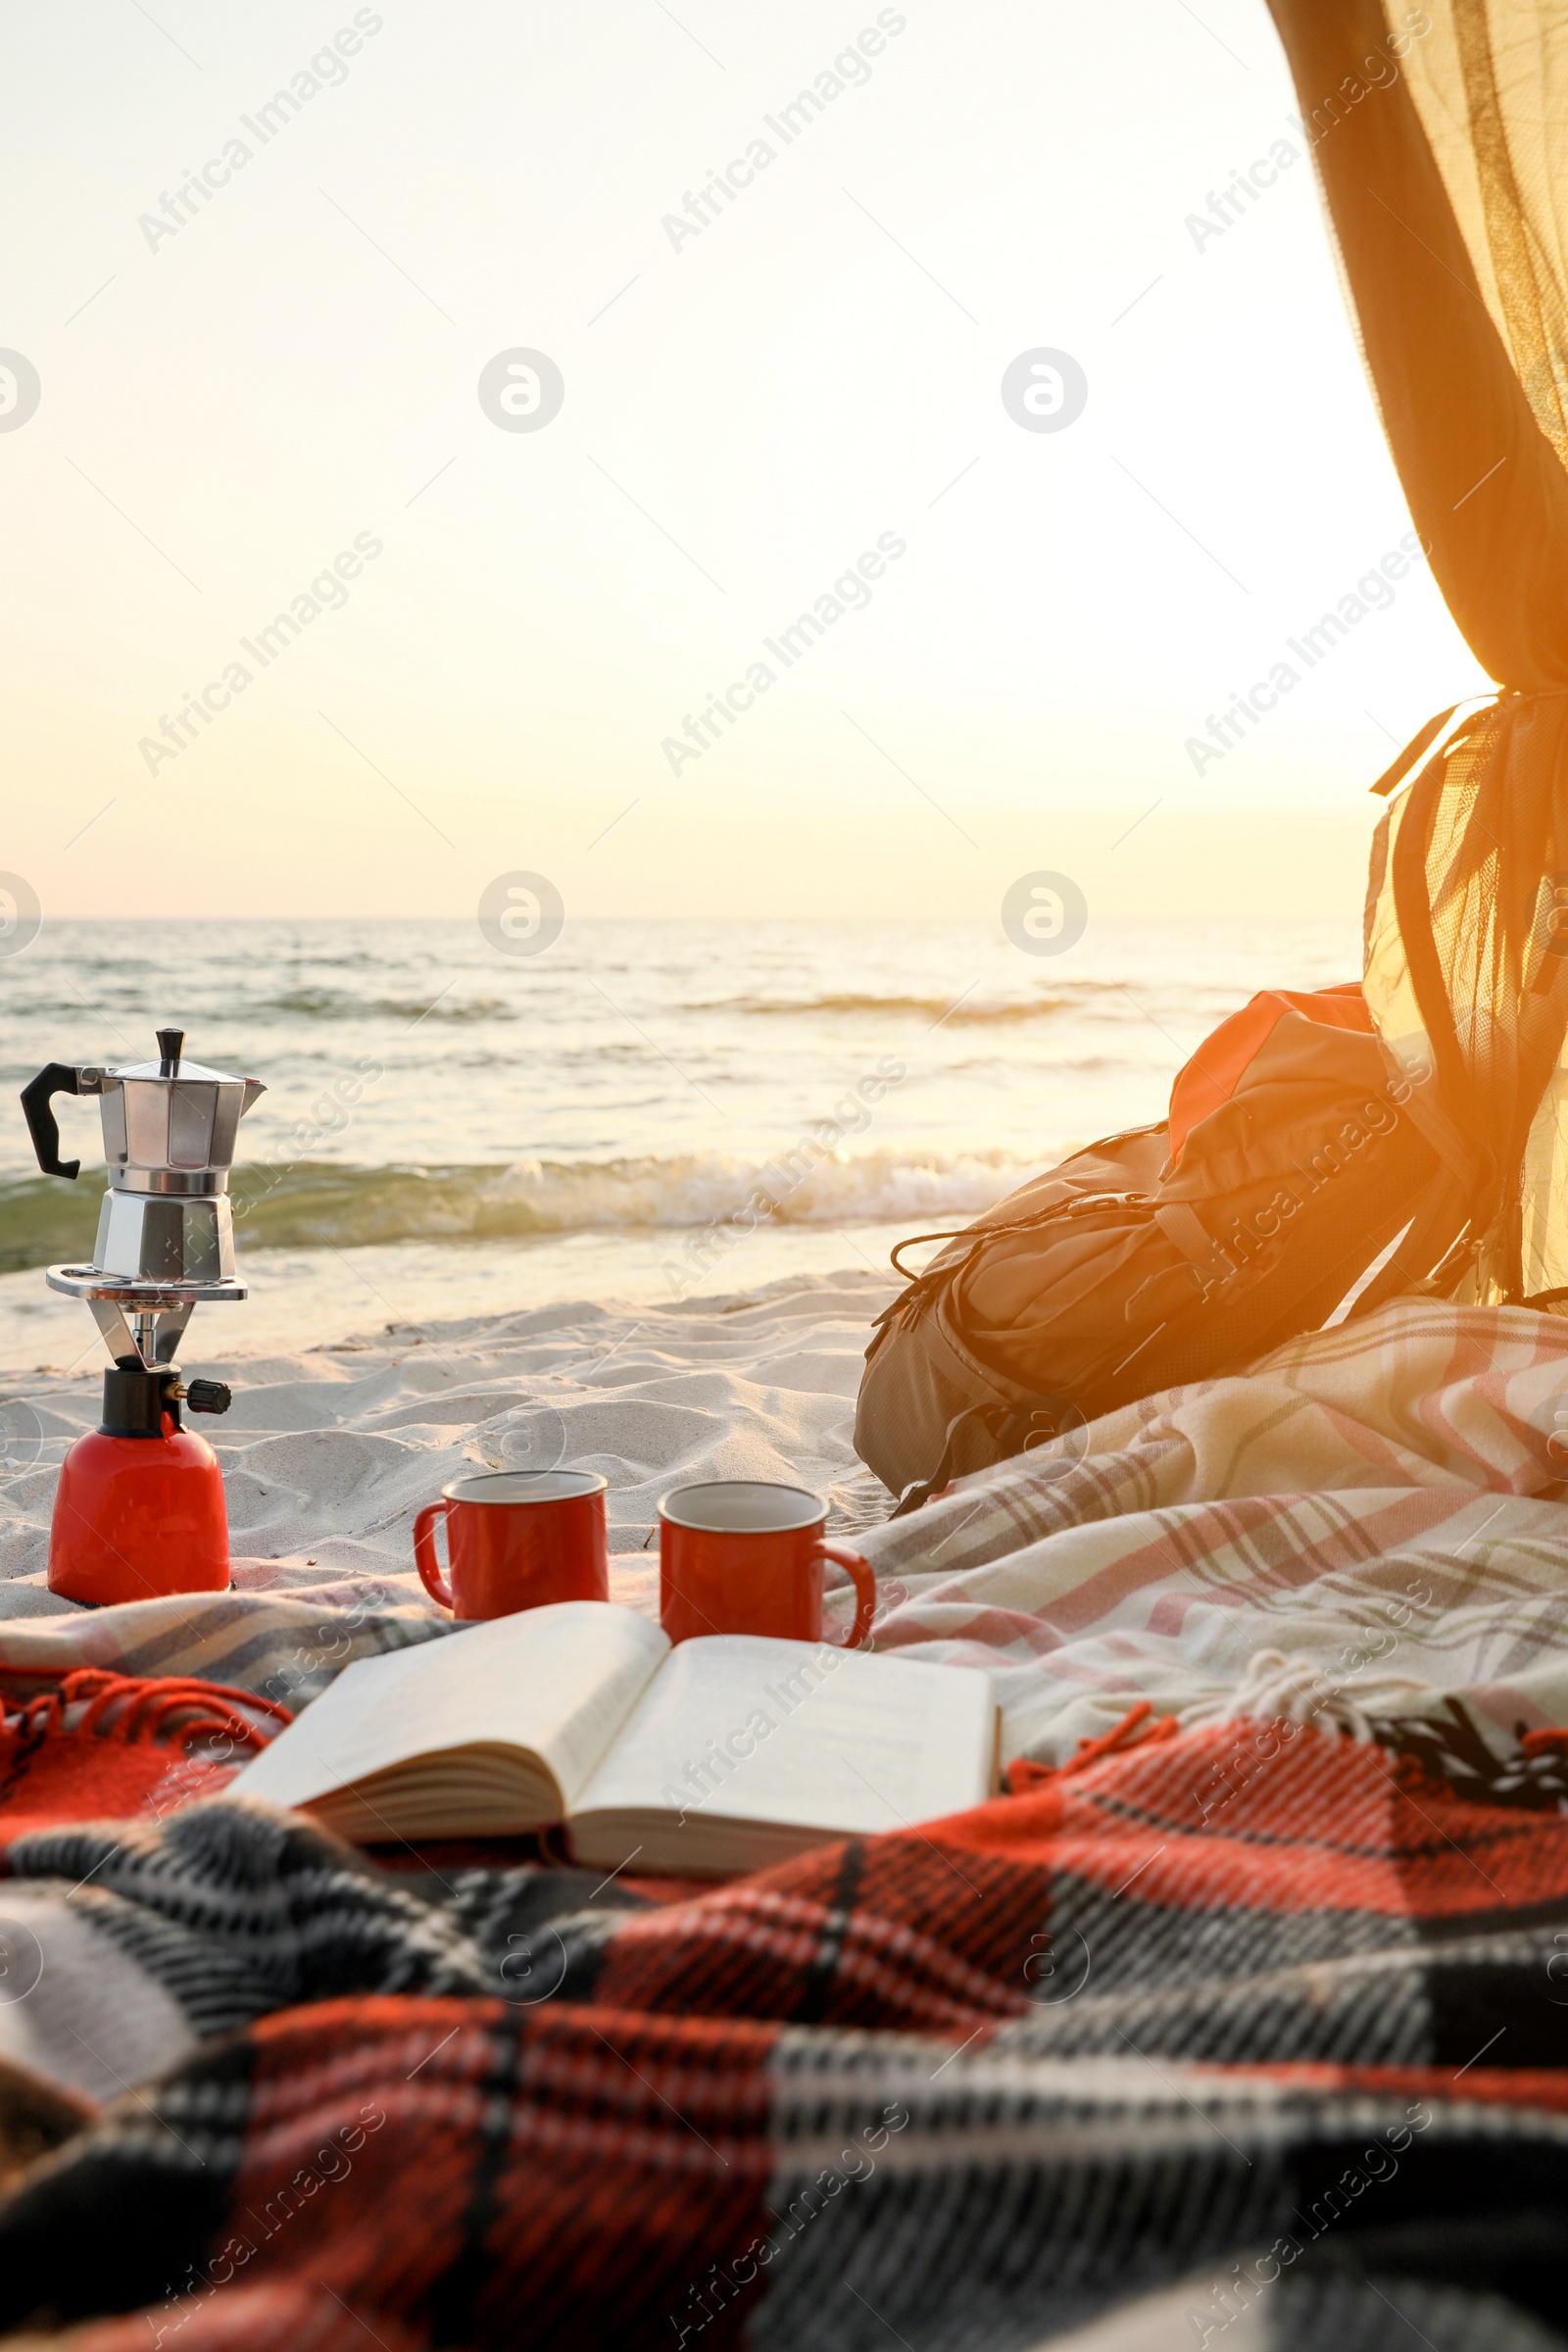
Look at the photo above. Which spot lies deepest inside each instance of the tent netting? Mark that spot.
(1447, 191)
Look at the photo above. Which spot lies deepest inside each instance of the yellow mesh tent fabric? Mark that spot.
(1435, 136)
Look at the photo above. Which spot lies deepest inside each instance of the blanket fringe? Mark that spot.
(1288, 1687)
(1446, 1745)
(1024, 1776)
(94, 1700)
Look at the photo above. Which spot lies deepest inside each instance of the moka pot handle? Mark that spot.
(56, 1078)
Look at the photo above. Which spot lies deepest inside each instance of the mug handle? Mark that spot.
(425, 1558)
(865, 1593)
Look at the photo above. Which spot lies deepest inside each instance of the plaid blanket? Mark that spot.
(1384, 1502)
(1263, 2022)
(284, 1647)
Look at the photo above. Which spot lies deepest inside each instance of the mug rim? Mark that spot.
(768, 1486)
(591, 1481)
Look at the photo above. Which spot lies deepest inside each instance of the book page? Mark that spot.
(557, 1682)
(740, 1728)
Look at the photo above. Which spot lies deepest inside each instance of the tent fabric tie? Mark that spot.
(1482, 705)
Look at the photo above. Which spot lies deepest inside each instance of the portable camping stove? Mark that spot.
(139, 1508)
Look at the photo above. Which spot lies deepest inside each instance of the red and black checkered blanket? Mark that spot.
(1267, 2022)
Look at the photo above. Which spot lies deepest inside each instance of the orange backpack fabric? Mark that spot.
(1213, 1074)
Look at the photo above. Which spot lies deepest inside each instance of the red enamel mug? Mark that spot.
(742, 1556)
(515, 1539)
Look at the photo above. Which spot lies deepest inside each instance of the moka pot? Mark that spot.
(139, 1509)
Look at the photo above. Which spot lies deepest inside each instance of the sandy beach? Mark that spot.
(328, 1454)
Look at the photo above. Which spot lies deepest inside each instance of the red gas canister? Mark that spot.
(139, 1509)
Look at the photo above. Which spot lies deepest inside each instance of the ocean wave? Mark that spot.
(951, 1015)
(333, 1005)
(326, 1206)
(307, 1004)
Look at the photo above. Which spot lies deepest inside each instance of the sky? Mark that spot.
(766, 386)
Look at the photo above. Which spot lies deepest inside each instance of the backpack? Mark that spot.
(1288, 1180)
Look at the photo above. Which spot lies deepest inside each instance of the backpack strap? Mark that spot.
(1187, 1233)
(992, 1417)
(1011, 1425)
(1441, 1211)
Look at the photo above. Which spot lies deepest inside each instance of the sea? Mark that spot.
(644, 1111)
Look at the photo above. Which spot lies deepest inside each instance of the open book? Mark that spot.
(720, 1755)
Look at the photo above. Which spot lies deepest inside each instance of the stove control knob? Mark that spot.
(208, 1396)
